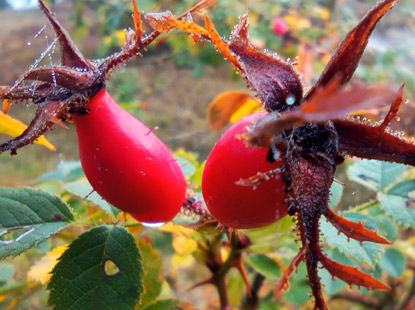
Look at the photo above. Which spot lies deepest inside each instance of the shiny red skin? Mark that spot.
(127, 164)
(238, 206)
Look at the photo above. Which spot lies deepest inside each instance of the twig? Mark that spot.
(410, 295)
(367, 301)
(251, 301)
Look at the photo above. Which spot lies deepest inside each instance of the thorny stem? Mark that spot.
(221, 268)
(135, 49)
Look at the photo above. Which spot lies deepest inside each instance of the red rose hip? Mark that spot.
(239, 206)
(127, 164)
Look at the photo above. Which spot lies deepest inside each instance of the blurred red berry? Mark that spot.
(280, 26)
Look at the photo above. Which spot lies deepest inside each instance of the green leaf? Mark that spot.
(6, 271)
(101, 270)
(166, 304)
(235, 287)
(153, 278)
(270, 238)
(369, 253)
(336, 192)
(399, 204)
(84, 189)
(393, 262)
(64, 171)
(299, 287)
(375, 174)
(268, 306)
(28, 217)
(265, 265)
(187, 168)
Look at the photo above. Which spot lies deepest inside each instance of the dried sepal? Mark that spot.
(353, 230)
(393, 110)
(275, 81)
(138, 23)
(159, 21)
(365, 140)
(204, 4)
(68, 78)
(189, 27)
(351, 275)
(328, 103)
(71, 56)
(38, 126)
(6, 105)
(220, 44)
(283, 283)
(347, 56)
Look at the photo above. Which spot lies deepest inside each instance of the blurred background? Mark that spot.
(172, 85)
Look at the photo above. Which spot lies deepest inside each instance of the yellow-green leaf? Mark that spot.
(13, 127)
(230, 107)
(40, 271)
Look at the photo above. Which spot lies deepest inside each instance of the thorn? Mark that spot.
(238, 264)
(89, 194)
(57, 121)
(201, 283)
(6, 105)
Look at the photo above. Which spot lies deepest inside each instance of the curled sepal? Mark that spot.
(347, 55)
(159, 21)
(138, 23)
(353, 230)
(275, 81)
(365, 140)
(393, 110)
(6, 105)
(71, 56)
(43, 120)
(66, 77)
(351, 275)
(328, 103)
(283, 283)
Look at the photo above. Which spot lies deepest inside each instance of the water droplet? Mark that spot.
(275, 152)
(290, 99)
(153, 225)
(28, 43)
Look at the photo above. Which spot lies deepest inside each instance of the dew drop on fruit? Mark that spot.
(153, 225)
(290, 99)
(275, 153)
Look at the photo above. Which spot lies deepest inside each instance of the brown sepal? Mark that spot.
(367, 141)
(328, 103)
(393, 110)
(283, 283)
(353, 230)
(138, 23)
(276, 82)
(71, 56)
(347, 56)
(37, 127)
(351, 275)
